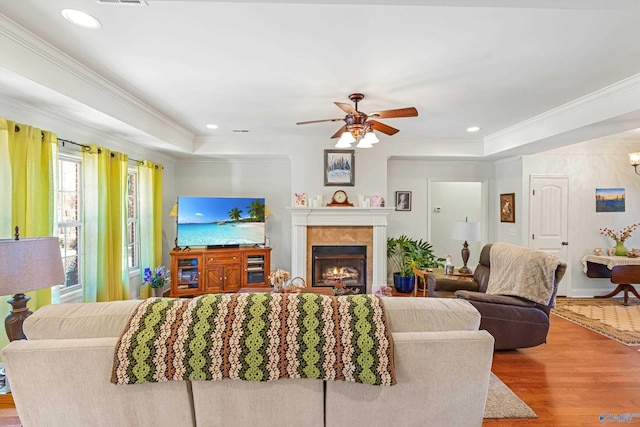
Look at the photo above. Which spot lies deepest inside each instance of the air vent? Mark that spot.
(125, 2)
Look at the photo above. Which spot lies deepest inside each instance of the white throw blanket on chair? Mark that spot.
(523, 272)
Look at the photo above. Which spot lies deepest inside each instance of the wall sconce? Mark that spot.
(634, 159)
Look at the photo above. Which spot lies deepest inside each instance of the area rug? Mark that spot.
(503, 403)
(609, 317)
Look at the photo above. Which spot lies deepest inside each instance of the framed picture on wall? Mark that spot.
(403, 200)
(508, 207)
(339, 167)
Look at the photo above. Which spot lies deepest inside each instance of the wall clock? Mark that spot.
(340, 198)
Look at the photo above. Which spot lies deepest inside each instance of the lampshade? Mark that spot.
(267, 211)
(463, 230)
(342, 144)
(371, 138)
(347, 137)
(30, 264)
(634, 159)
(174, 210)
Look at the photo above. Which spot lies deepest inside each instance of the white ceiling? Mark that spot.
(157, 74)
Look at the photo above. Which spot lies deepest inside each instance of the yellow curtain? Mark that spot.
(28, 160)
(150, 202)
(106, 275)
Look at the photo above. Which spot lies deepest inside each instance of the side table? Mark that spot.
(439, 284)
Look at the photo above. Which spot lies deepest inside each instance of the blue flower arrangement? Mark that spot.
(156, 278)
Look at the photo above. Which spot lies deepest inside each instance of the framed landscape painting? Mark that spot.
(339, 167)
(610, 200)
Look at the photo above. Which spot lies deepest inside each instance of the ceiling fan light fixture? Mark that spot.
(81, 19)
(347, 138)
(342, 144)
(371, 138)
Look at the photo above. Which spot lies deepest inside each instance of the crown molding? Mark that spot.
(33, 58)
(600, 106)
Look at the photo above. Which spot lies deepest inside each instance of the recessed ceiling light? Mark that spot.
(473, 129)
(212, 126)
(81, 18)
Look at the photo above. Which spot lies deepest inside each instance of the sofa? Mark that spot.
(515, 322)
(60, 376)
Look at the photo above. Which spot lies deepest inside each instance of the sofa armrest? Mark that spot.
(443, 379)
(67, 382)
(494, 299)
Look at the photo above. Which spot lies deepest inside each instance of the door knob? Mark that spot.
(565, 243)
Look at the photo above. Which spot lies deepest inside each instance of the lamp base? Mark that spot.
(15, 318)
(465, 258)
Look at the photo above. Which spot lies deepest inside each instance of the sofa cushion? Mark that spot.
(430, 315)
(494, 299)
(84, 320)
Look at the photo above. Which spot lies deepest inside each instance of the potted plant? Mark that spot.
(406, 254)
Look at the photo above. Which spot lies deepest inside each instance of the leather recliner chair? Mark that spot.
(514, 322)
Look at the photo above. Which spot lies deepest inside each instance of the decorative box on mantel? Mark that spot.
(374, 219)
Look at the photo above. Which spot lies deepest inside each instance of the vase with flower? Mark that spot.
(156, 279)
(620, 237)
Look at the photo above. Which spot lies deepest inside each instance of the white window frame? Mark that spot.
(134, 269)
(69, 292)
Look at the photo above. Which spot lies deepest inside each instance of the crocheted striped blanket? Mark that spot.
(257, 337)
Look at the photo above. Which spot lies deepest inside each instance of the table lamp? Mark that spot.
(27, 265)
(174, 213)
(465, 230)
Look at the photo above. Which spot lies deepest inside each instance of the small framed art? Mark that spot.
(339, 167)
(403, 200)
(508, 207)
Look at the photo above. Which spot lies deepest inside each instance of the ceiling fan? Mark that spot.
(358, 123)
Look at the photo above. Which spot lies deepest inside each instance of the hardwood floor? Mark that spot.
(573, 378)
(569, 381)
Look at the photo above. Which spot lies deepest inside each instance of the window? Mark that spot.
(69, 216)
(133, 242)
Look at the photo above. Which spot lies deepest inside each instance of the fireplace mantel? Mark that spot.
(376, 218)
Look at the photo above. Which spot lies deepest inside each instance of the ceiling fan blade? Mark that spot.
(347, 108)
(340, 132)
(394, 114)
(381, 127)
(319, 121)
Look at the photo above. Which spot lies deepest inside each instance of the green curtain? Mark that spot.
(106, 275)
(150, 196)
(28, 162)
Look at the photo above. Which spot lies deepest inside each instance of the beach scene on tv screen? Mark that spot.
(204, 221)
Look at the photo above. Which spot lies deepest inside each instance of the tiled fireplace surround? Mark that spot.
(340, 226)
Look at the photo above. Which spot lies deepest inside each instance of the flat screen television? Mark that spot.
(220, 221)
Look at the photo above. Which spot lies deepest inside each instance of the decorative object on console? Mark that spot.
(359, 126)
(339, 167)
(278, 278)
(340, 199)
(508, 207)
(377, 201)
(464, 230)
(610, 200)
(300, 200)
(156, 279)
(620, 237)
(634, 159)
(403, 200)
(27, 265)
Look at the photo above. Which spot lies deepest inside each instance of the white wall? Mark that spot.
(509, 180)
(456, 201)
(590, 165)
(247, 177)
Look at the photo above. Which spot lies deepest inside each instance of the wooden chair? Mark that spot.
(624, 276)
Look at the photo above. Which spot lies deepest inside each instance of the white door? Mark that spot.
(550, 220)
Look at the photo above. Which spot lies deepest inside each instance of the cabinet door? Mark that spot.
(255, 266)
(232, 278)
(214, 279)
(185, 275)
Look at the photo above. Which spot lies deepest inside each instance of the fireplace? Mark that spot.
(332, 264)
(340, 226)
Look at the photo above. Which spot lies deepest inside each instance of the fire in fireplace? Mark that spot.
(346, 263)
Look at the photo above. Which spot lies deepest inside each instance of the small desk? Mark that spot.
(599, 266)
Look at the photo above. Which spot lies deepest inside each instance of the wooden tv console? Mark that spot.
(205, 271)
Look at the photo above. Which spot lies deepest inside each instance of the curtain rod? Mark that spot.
(84, 147)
